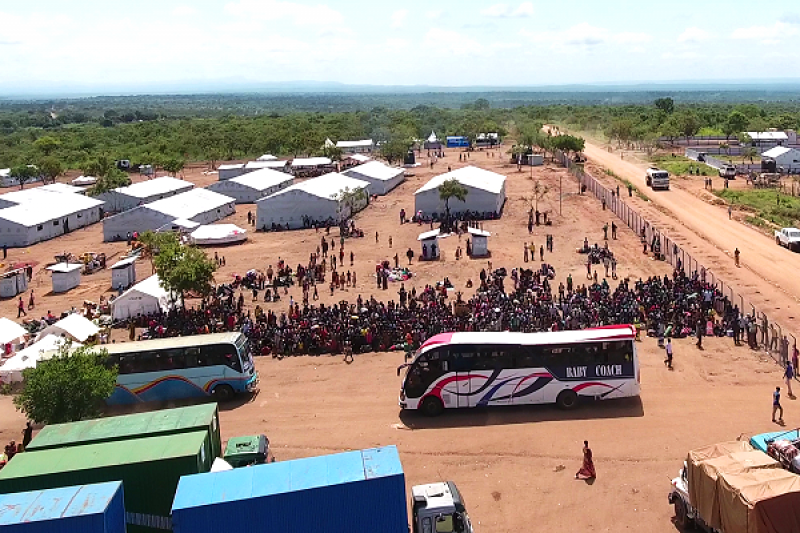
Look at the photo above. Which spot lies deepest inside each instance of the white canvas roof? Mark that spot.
(154, 187)
(49, 205)
(768, 135)
(124, 262)
(361, 158)
(432, 138)
(355, 144)
(327, 186)
(84, 180)
(27, 358)
(4, 172)
(471, 177)
(479, 232)
(311, 162)
(10, 330)
(261, 180)
(221, 233)
(776, 152)
(263, 164)
(377, 171)
(61, 187)
(267, 157)
(144, 297)
(63, 268)
(75, 326)
(429, 235)
(190, 203)
(230, 167)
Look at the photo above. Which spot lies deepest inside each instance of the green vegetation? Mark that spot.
(770, 205)
(71, 386)
(452, 188)
(679, 166)
(181, 269)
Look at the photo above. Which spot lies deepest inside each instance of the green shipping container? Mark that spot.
(152, 424)
(149, 469)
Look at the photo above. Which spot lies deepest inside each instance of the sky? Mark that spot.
(49, 44)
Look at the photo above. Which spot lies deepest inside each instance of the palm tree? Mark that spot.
(451, 188)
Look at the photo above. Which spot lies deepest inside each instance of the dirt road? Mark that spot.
(770, 275)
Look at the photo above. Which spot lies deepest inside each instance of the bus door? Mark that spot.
(462, 359)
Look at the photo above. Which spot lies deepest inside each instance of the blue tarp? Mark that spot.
(760, 442)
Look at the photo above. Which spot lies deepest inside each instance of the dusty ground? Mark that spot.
(515, 466)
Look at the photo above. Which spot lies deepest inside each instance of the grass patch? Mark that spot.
(758, 222)
(679, 166)
(770, 205)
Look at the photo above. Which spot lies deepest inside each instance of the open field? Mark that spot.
(515, 465)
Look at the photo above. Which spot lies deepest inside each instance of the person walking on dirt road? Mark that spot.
(776, 405)
(736, 256)
(788, 375)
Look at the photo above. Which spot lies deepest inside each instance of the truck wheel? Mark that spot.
(778, 241)
(567, 399)
(222, 393)
(682, 519)
(432, 406)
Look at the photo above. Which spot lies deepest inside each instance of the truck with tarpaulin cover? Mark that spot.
(731, 487)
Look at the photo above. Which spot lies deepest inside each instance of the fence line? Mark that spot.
(768, 334)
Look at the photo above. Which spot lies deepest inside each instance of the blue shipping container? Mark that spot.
(342, 493)
(84, 509)
(457, 142)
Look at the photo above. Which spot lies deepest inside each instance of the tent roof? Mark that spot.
(85, 180)
(262, 179)
(361, 158)
(326, 186)
(432, 138)
(355, 144)
(124, 262)
(264, 164)
(150, 286)
(49, 205)
(768, 135)
(479, 232)
(267, 157)
(28, 357)
(61, 187)
(154, 187)
(777, 151)
(230, 167)
(475, 177)
(217, 231)
(64, 268)
(76, 326)
(375, 170)
(311, 162)
(5, 172)
(429, 235)
(189, 204)
(10, 330)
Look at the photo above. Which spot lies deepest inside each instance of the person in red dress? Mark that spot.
(587, 469)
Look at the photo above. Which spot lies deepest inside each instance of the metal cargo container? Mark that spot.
(152, 424)
(342, 493)
(85, 509)
(149, 469)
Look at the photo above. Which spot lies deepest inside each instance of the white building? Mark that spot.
(62, 187)
(381, 178)
(144, 192)
(486, 192)
(785, 158)
(123, 273)
(301, 166)
(253, 186)
(33, 215)
(145, 298)
(13, 283)
(365, 146)
(314, 200)
(226, 172)
(764, 140)
(198, 205)
(65, 276)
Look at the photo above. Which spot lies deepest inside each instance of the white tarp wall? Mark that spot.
(145, 298)
(313, 200)
(486, 192)
(381, 178)
(74, 326)
(144, 192)
(251, 187)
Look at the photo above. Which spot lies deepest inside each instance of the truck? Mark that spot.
(362, 490)
(788, 238)
(727, 172)
(248, 451)
(657, 179)
(731, 487)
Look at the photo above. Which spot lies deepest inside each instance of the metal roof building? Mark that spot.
(486, 192)
(381, 178)
(251, 187)
(144, 192)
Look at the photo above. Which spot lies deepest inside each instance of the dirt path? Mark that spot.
(770, 275)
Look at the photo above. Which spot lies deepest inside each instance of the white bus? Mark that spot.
(454, 370)
(217, 365)
(657, 179)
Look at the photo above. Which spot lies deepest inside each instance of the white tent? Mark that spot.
(486, 192)
(251, 187)
(314, 200)
(381, 178)
(312, 163)
(10, 331)
(267, 157)
(198, 205)
(216, 234)
(74, 326)
(34, 215)
(145, 298)
(11, 371)
(82, 181)
(65, 276)
(359, 158)
(144, 192)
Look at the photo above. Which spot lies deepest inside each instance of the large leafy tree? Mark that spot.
(181, 269)
(24, 173)
(452, 188)
(71, 386)
(50, 168)
(47, 144)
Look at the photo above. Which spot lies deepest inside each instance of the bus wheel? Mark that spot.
(222, 393)
(682, 519)
(567, 399)
(432, 406)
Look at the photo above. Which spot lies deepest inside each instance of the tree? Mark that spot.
(537, 194)
(451, 188)
(748, 152)
(173, 165)
(667, 105)
(69, 387)
(395, 149)
(153, 242)
(115, 179)
(24, 173)
(46, 144)
(735, 123)
(183, 269)
(334, 153)
(50, 168)
(726, 147)
(349, 201)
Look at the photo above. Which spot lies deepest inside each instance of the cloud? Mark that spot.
(791, 18)
(273, 10)
(766, 34)
(399, 18)
(184, 11)
(631, 38)
(586, 35)
(694, 35)
(434, 14)
(451, 42)
(525, 9)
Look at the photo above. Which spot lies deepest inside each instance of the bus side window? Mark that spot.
(492, 357)
(147, 362)
(191, 356)
(528, 357)
(173, 359)
(112, 361)
(462, 359)
(126, 364)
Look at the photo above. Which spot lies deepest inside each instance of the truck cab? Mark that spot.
(728, 172)
(439, 508)
(248, 451)
(657, 179)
